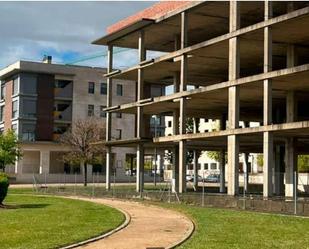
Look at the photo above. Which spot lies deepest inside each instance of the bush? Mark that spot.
(4, 185)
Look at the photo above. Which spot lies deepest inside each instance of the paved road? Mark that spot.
(150, 227)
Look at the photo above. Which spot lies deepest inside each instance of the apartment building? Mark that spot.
(248, 61)
(41, 100)
(207, 165)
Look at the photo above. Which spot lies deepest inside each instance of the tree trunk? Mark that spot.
(85, 174)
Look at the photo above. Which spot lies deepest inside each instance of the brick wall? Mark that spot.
(7, 116)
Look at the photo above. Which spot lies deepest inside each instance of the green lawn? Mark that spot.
(219, 228)
(49, 222)
(224, 228)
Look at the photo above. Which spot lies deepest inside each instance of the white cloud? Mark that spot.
(29, 28)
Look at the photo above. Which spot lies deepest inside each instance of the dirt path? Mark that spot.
(150, 227)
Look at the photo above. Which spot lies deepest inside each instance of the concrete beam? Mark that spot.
(239, 32)
(239, 131)
(215, 87)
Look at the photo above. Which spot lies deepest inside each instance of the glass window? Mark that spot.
(90, 110)
(119, 90)
(2, 91)
(169, 124)
(28, 83)
(1, 112)
(102, 112)
(28, 132)
(205, 166)
(118, 115)
(213, 166)
(15, 86)
(29, 108)
(199, 166)
(91, 87)
(103, 88)
(118, 134)
(15, 109)
(14, 128)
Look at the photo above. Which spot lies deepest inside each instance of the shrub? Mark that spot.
(4, 185)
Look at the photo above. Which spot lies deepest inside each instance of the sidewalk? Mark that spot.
(150, 227)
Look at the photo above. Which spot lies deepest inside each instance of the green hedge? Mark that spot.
(4, 185)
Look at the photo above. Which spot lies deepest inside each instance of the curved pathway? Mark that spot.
(149, 227)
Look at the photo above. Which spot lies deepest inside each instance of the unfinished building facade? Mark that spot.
(248, 62)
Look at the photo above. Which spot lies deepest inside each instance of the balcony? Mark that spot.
(63, 89)
(63, 112)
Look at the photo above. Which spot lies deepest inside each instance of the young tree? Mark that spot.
(84, 139)
(9, 149)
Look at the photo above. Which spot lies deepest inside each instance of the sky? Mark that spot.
(64, 30)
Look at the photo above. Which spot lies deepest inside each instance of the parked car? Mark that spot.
(190, 178)
(213, 178)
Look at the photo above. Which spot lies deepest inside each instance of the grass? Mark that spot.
(222, 228)
(49, 222)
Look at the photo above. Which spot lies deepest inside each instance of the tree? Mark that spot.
(84, 140)
(303, 163)
(9, 149)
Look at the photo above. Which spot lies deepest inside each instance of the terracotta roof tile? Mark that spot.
(155, 11)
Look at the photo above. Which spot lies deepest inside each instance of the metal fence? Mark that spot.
(206, 194)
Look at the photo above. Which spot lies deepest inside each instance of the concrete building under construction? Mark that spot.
(248, 62)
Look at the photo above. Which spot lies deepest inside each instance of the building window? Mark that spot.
(118, 134)
(1, 113)
(118, 115)
(15, 109)
(90, 110)
(199, 166)
(119, 90)
(28, 83)
(29, 108)
(15, 86)
(28, 132)
(205, 166)
(169, 124)
(14, 128)
(103, 88)
(102, 112)
(213, 166)
(91, 87)
(2, 91)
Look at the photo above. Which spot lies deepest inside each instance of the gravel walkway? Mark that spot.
(150, 227)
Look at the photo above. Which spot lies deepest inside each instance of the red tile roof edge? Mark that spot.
(153, 12)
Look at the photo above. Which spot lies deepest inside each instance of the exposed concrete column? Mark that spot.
(175, 175)
(109, 116)
(182, 166)
(290, 166)
(222, 158)
(182, 105)
(291, 116)
(196, 155)
(140, 126)
(233, 103)
(267, 113)
(176, 84)
(44, 161)
(140, 168)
